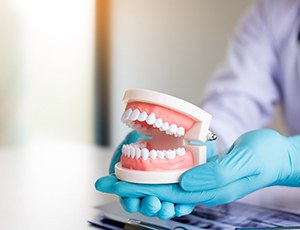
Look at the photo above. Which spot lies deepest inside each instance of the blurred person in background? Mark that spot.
(262, 70)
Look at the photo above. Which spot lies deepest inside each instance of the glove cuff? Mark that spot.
(294, 154)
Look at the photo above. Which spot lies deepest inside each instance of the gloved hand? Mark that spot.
(150, 205)
(256, 160)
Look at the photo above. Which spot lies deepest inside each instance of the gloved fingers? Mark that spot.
(183, 209)
(167, 211)
(131, 205)
(150, 205)
(105, 184)
(164, 192)
(174, 194)
(130, 138)
(212, 175)
(233, 191)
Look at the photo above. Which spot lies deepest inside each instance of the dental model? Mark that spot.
(173, 124)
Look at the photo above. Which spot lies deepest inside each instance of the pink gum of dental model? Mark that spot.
(172, 123)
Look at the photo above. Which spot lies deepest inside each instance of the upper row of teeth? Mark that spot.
(134, 151)
(130, 116)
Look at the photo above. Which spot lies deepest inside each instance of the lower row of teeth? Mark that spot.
(135, 151)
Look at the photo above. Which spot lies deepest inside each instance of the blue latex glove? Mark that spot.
(257, 159)
(151, 205)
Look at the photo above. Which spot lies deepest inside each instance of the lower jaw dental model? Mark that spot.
(172, 124)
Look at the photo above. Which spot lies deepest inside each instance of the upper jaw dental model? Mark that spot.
(173, 124)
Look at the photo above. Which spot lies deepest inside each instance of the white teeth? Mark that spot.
(160, 154)
(132, 152)
(164, 127)
(158, 123)
(180, 151)
(153, 154)
(145, 154)
(129, 116)
(151, 119)
(170, 154)
(125, 149)
(180, 131)
(134, 115)
(126, 115)
(143, 116)
(172, 129)
(139, 149)
(138, 153)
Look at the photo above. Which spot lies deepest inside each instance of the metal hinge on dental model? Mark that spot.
(211, 137)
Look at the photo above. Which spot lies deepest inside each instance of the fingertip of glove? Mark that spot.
(150, 205)
(183, 209)
(167, 211)
(131, 205)
(105, 184)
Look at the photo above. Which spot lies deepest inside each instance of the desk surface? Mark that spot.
(51, 186)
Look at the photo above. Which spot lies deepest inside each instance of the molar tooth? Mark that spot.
(158, 123)
(138, 153)
(143, 116)
(126, 115)
(180, 131)
(145, 154)
(160, 154)
(165, 126)
(134, 115)
(180, 151)
(153, 154)
(170, 154)
(151, 119)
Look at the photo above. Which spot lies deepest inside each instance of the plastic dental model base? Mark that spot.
(172, 124)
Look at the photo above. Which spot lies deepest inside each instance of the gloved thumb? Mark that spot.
(214, 174)
(105, 184)
(199, 178)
